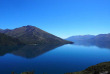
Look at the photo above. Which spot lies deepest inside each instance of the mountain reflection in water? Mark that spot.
(99, 44)
(27, 51)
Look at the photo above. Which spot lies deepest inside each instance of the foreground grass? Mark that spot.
(102, 68)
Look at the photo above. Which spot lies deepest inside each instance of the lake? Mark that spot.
(51, 59)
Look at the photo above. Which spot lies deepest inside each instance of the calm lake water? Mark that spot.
(51, 59)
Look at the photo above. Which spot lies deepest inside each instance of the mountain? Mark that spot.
(33, 35)
(7, 40)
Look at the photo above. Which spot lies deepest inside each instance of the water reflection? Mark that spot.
(99, 44)
(27, 51)
(64, 59)
(8, 49)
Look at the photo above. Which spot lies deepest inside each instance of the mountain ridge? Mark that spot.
(33, 35)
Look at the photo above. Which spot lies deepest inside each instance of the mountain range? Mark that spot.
(101, 40)
(33, 35)
(80, 38)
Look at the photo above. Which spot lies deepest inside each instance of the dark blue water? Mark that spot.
(60, 60)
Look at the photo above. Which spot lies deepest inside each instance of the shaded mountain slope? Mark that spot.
(7, 40)
(4, 31)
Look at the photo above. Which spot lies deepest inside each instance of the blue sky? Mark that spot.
(63, 18)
